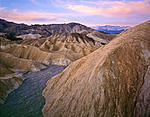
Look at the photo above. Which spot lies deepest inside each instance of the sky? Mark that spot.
(87, 12)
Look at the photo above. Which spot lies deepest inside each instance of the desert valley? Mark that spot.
(67, 58)
(102, 74)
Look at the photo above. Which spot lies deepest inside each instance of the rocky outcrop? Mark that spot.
(113, 81)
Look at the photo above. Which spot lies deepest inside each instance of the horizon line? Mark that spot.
(68, 22)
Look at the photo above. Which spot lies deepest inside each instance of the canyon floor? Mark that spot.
(27, 100)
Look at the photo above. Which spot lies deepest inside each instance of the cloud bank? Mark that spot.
(84, 11)
(30, 17)
(112, 8)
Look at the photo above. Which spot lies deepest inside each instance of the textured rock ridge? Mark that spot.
(59, 49)
(72, 43)
(113, 81)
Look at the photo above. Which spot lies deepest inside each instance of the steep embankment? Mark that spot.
(113, 81)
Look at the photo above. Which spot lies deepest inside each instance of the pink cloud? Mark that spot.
(30, 17)
(113, 8)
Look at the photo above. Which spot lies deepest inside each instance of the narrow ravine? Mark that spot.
(27, 100)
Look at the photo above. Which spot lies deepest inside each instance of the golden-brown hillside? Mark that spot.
(113, 81)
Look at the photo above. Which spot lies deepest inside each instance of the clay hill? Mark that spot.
(35, 54)
(42, 45)
(113, 81)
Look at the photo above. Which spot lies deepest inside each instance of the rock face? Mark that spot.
(113, 81)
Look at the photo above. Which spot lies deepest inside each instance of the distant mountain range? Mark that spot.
(58, 44)
(111, 29)
(47, 30)
(14, 31)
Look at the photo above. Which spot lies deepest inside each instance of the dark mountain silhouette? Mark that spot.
(44, 30)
